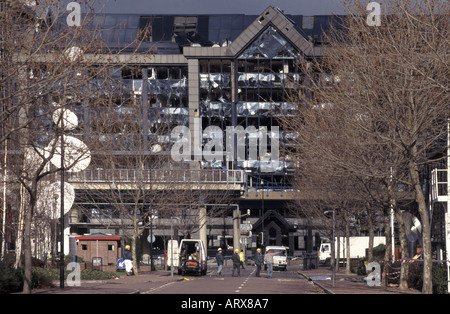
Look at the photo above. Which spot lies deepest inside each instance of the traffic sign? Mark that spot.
(153, 239)
(246, 227)
(246, 234)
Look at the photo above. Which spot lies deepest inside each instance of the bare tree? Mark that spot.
(44, 75)
(389, 90)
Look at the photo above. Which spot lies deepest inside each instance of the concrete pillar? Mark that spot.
(144, 108)
(203, 226)
(236, 229)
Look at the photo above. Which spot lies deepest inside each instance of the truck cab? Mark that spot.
(324, 252)
(280, 258)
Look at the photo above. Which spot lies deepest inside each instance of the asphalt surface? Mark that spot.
(293, 281)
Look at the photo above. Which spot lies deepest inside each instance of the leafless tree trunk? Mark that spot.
(43, 73)
(378, 100)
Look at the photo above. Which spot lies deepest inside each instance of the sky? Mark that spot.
(250, 7)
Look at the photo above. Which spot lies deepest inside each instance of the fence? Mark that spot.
(157, 176)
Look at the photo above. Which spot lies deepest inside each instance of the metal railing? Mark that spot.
(157, 176)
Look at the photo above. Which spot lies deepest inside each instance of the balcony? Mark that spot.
(154, 178)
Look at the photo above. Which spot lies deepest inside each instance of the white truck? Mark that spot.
(280, 257)
(358, 246)
(189, 257)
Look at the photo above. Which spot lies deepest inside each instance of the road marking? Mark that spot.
(158, 288)
(245, 281)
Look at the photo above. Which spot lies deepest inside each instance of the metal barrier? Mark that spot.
(157, 176)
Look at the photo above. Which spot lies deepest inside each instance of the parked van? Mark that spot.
(280, 257)
(189, 257)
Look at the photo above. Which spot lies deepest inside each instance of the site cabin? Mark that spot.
(189, 257)
(98, 245)
(280, 258)
(358, 247)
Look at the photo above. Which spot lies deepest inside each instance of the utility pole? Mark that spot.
(61, 221)
(333, 245)
(447, 213)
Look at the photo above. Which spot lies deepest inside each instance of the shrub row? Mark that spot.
(11, 279)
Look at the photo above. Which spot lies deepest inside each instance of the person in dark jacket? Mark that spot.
(219, 260)
(258, 262)
(236, 263)
(128, 259)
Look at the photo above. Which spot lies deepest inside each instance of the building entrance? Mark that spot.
(272, 229)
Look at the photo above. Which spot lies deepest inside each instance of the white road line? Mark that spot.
(158, 288)
(245, 281)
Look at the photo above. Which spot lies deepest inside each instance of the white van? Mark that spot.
(280, 258)
(189, 257)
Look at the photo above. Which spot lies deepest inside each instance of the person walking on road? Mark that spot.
(242, 258)
(236, 263)
(258, 262)
(268, 259)
(219, 260)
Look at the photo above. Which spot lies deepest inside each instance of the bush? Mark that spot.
(88, 274)
(378, 251)
(41, 278)
(361, 269)
(11, 280)
(439, 277)
(415, 275)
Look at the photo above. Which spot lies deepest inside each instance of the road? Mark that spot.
(282, 282)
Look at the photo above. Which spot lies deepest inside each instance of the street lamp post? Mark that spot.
(262, 210)
(333, 272)
(447, 213)
(171, 246)
(333, 249)
(151, 217)
(61, 222)
(151, 245)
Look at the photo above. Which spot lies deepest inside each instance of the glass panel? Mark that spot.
(269, 45)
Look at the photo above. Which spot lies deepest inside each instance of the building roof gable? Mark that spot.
(272, 16)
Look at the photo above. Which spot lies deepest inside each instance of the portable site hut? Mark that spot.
(105, 246)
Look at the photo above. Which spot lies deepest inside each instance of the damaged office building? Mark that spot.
(226, 70)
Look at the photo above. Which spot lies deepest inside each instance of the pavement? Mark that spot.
(144, 282)
(348, 283)
(147, 282)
